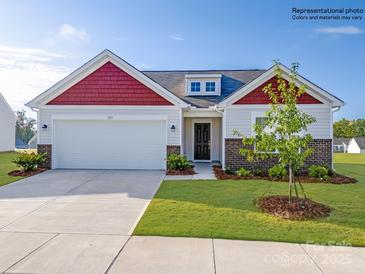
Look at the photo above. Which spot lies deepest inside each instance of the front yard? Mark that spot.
(6, 165)
(225, 209)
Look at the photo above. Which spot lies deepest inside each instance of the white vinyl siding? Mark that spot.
(7, 125)
(239, 117)
(172, 113)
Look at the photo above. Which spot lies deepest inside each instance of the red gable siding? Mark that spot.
(109, 85)
(257, 96)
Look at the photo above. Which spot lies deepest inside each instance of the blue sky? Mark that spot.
(42, 41)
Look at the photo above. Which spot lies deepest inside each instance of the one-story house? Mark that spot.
(356, 145)
(109, 115)
(340, 144)
(349, 145)
(7, 126)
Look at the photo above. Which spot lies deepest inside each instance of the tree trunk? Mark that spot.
(290, 182)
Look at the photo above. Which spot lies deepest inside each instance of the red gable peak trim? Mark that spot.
(109, 85)
(258, 97)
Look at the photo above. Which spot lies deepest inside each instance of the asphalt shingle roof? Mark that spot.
(360, 141)
(231, 81)
(341, 140)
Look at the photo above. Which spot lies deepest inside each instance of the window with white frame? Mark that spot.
(210, 86)
(195, 86)
(261, 120)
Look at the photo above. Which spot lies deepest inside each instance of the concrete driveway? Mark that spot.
(71, 221)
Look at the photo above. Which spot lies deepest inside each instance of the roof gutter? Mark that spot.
(335, 109)
(219, 110)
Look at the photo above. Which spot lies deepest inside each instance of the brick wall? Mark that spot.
(322, 155)
(173, 149)
(48, 150)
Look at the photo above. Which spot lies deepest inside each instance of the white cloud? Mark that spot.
(177, 37)
(67, 31)
(340, 30)
(26, 72)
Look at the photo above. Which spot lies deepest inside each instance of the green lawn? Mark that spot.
(6, 165)
(225, 209)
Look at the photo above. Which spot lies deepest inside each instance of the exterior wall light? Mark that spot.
(173, 128)
(44, 126)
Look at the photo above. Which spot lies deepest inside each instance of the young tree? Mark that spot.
(282, 133)
(24, 128)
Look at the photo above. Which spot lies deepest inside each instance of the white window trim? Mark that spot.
(203, 82)
(210, 91)
(254, 115)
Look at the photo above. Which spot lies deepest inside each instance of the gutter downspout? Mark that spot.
(333, 110)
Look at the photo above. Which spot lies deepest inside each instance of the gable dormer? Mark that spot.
(203, 84)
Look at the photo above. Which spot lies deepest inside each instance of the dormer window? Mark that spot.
(210, 86)
(207, 84)
(195, 87)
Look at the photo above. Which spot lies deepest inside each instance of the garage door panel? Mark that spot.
(110, 144)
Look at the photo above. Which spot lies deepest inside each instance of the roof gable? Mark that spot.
(4, 105)
(94, 64)
(109, 85)
(313, 90)
(258, 96)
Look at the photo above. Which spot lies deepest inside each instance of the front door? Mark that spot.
(202, 141)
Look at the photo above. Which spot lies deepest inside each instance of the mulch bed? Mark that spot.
(298, 209)
(22, 173)
(188, 171)
(336, 178)
(220, 174)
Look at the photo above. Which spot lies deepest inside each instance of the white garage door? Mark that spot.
(109, 144)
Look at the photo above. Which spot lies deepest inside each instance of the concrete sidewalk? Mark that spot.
(204, 171)
(81, 253)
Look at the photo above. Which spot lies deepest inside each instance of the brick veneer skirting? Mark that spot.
(173, 149)
(322, 155)
(48, 150)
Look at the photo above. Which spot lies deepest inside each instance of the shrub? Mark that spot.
(29, 161)
(229, 170)
(243, 172)
(177, 162)
(318, 172)
(258, 172)
(277, 172)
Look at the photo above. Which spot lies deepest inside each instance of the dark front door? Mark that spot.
(202, 141)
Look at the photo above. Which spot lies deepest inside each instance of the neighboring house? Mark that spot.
(341, 144)
(109, 115)
(33, 142)
(349, 145)
(356, 145)
(7, 126)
